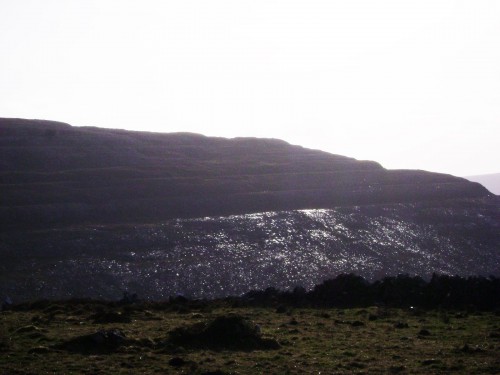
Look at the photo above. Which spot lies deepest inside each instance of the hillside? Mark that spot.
(53, 174)
(92, 212)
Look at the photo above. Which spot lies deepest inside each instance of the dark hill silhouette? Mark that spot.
(150, 213)
(53, 174)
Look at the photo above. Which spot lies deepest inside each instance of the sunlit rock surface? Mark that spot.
(220, 256)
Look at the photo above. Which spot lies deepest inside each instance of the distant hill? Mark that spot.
(88, 212)
(489, 181)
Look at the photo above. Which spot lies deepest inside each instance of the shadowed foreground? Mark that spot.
(64, 337)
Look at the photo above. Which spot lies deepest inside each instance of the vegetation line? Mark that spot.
(351, 291)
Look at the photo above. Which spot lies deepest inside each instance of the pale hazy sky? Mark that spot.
(410, 84)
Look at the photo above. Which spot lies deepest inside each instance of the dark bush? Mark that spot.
(346, 290)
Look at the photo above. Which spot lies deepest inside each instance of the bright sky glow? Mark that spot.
(410, 84)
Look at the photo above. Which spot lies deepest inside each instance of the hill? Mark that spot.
(88, 212)
(53, 174)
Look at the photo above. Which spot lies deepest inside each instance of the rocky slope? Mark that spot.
(91, 212)
(218, 256)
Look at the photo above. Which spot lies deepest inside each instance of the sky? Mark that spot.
(410, 84)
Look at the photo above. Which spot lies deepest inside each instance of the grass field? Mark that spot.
(41, 340)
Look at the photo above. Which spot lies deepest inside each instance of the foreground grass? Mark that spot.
(312, 341)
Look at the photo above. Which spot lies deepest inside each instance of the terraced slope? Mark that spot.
(52, 174)
(220, 256)
(92, 212)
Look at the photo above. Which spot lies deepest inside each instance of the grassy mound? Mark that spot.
(231, 332)
(100, 342)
